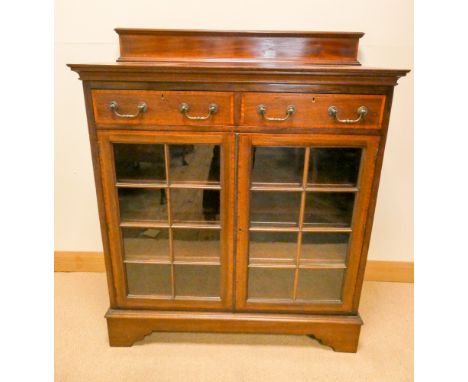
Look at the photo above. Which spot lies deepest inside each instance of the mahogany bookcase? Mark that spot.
(236, 177)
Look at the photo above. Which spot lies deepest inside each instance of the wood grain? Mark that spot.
(339, 332)
(163, 107)
(230, 73)
(312, 110)
(191, 45)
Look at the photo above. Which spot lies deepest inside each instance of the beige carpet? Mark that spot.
(82, 352)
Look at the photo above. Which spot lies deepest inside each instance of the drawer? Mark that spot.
(312, 110)
(151, 107)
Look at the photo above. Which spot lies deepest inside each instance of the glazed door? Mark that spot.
(167, 198)
(302, 209)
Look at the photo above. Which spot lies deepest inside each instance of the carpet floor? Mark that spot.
(82, 353)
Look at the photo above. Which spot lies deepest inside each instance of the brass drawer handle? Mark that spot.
(142, 107)
(290, 110)
(212, 109)
(362, 112)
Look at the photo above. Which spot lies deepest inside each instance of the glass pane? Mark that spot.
(197, 281)
(275, 208)
(277, 165)
(140, 162)
(195, 205)
(334, 165)
(271, 283)
(277, 247)
(329, 208)
(324, 247)
(142, 244)
(142, 204)
(195, 163)
(149, 279)
(196, 244)
(320, 284)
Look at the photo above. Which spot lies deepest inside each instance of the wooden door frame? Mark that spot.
(370, 146)
(226, 140)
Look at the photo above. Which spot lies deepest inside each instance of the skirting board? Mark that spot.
(396, 271)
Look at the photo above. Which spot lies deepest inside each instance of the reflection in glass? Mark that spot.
(196, 244)
(146, 243)
(149, 279)
(334, 166)
(324, 247)
(271, 283)
(139, 162)
(195, 205)
(197, 281)
(275, 208)
(277, 165)
(329, 208)
(142, 204)
(273, 246)
(195, 163)
(320, 284)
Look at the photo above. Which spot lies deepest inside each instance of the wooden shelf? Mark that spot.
(154, 224)
(274, 228)
(143, 224)
(271, 263)
(196, 225)
(290, 301)
(203, 186)
(305, 228)
(312, 228)
(140, 184)
(320, 264)
(162, 185)
(146, 259)
(290, 263)
(293, 188)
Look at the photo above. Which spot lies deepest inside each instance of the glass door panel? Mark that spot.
(149, 279)
(170, 192)
(196, 245)
(266, 247)
(320, 284)
(198, 164)
(197, 281)
(139, 163)
(198, 206)
(271, 283)
(271, 165)
(338, 165)
(146, 244)
(324, 247)
(142, 204)
(274, 208)
(328, 209)
(301, 220)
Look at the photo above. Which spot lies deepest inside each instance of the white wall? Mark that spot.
(84, 33)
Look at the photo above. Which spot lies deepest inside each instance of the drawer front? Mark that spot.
(150, 107)
(312, 110)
